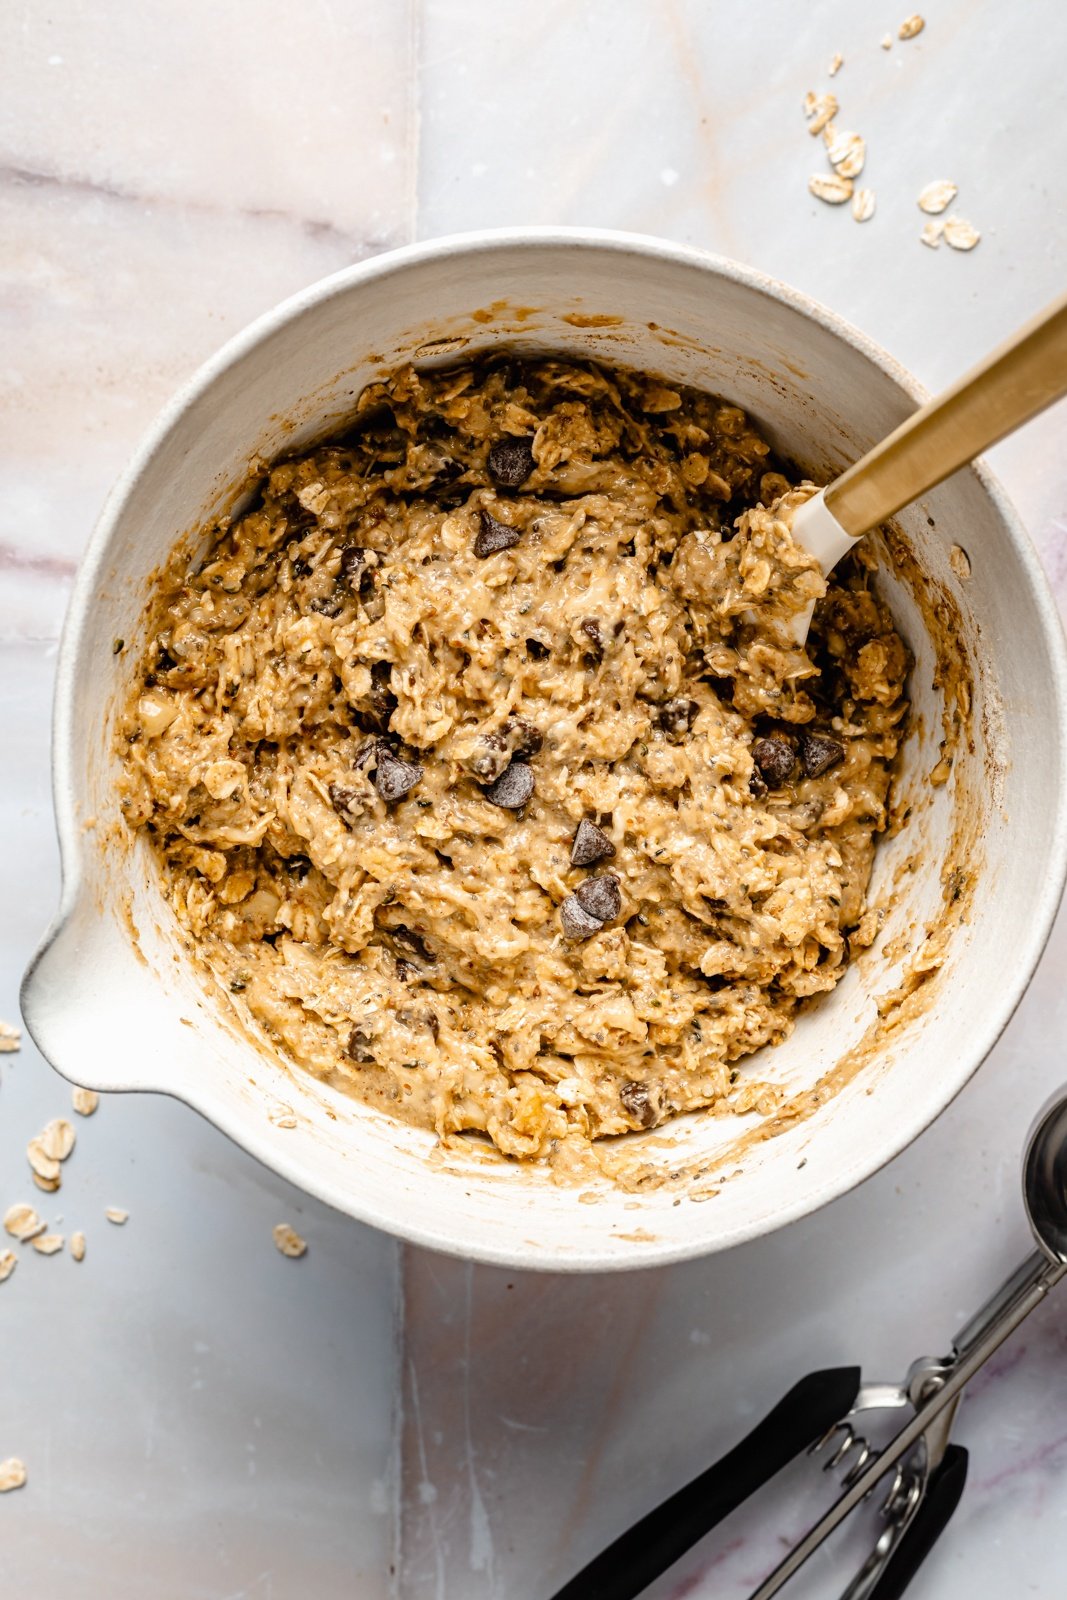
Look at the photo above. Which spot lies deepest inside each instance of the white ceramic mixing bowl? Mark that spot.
(111, 999)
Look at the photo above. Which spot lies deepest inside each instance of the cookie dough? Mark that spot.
(479, 764)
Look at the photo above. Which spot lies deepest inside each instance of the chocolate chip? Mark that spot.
(494, 536)
(414, 942)
(328, 605)
(524, 738)
(513, 788)
(775, 760)
(536, 650)
(516, 739)
(591, 628)
(376, 713)
(356, 563)
(676, 716)
(756, 784)
(359, 1044)
(301, 568)
(818, 754)
(394, 778)
(635, 1099)
(346, 801)
(510, 462)
(353, 563)
(492, 757)
(600, 897)
(406, 970)
(575, 921)
(590, 844)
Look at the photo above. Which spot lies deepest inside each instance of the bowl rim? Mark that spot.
(279, 1158)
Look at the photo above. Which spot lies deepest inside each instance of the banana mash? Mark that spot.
(480, 765)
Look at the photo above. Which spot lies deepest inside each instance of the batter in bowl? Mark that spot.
(480, 765)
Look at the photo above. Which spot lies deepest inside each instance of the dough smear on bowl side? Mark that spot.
(480, 765)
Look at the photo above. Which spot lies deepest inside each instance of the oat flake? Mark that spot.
(960, 562)
(937, 196)
(58, 1139)
(116, 1215)
(8, 1262)
(911, 26)
(863, 205)
(49, 1185)
(77, 1245)
(836, 63)
(832, 189)
(959, 234)
(847, 153)
(819, 109)
(85, 1101)
(48, 1244)
(42, 1163)
(10, 1038)
(887, 42)
(288, 1240)
(22, 1222)
(931, 234)
(12, 1474)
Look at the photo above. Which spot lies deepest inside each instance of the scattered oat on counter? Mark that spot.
(846, 151)
(77, 1245)
(12, 1474)
(937, 196)
(288, 1241)
(116, 1215)
(959, 234)
(45, 1152)
(8, 1262)
(85, 1101)
(837, 61)
(48, 1244)
(820, 110)
(10, 1038)
(23, 1223)
(829, 187)
(863, 205)
(43, 1165)
(57, 1139)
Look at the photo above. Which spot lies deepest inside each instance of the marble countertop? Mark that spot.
(199, 1416)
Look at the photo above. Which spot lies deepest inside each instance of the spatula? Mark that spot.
(1017, 380)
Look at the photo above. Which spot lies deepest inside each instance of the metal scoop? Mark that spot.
(934, 1386)
(923, 1471)
(1019, 379)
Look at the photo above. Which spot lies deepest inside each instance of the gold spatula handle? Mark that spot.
(1020, 378)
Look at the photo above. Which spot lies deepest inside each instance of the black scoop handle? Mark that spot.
(655, 1543)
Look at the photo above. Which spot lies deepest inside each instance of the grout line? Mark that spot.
(414, 132)
(396, 1454)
